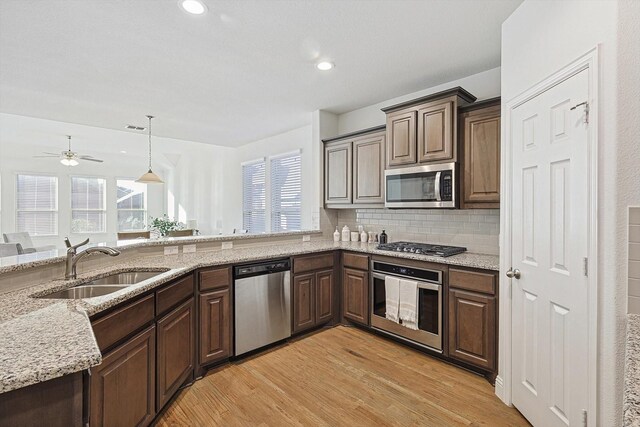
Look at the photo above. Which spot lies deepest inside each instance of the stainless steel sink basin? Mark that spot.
(128, 278)
(84, 291)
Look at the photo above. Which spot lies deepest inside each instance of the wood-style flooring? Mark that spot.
(340, 377)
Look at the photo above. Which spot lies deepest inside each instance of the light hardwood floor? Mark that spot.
(340, 377)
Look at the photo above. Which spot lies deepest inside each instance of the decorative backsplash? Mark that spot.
(633, 305)
(476, 229)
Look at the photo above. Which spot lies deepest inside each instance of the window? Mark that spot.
(88, 205)
(286, 193)
(254, 197)
(132, 205)
(37, 204)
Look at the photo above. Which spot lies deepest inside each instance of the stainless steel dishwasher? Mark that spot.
(262, 304)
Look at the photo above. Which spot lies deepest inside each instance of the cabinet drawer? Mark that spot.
(360, 262)
(118, 324)
(173, 294)
(214, 279)
(311, 263)
(472, 281)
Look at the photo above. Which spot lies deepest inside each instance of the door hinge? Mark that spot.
(586, 110)
(585, 266)
(584, 417)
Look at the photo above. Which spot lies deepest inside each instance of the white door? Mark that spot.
(549, 246)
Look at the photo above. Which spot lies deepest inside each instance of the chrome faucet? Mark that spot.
(73, 257)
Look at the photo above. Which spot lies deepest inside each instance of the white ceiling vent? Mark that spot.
(132, 127)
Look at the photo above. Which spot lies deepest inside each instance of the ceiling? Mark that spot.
(241, 72)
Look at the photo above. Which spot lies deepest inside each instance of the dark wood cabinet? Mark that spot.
(313, 297)
(435, 131)
(480, 145)
(304, 302)
(401, 138)
(175, 350)
(355, 296)
(324, 296)
(122, 388)
(215, 326)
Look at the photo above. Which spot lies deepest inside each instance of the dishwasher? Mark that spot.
(262, 304)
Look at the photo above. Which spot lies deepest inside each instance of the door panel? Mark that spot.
(401, 138)
(368, 169)
(215, 340)
(550, 239)
(355, 303)
(435, 132)
(337, 173)
(303, 302)
(324, 296)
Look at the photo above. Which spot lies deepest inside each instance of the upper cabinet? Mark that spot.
(480, 145)
(354, 169)
(424, 130)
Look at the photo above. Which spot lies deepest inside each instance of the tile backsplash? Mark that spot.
(476, 229)
(633, 305)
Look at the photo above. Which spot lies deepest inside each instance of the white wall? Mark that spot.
(539, 38)
(296, 139)
(483, 85)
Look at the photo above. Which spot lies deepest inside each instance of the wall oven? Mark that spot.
(428, 186)
(430, 303)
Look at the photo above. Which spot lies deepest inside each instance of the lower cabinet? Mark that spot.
(123, 387)
(355, 296)
(472, 328)
(312, 299)
(215, 332)
(175, 346)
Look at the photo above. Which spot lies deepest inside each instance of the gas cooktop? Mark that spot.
(422, 248)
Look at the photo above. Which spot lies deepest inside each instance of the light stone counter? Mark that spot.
(42, 339)
(632, 373)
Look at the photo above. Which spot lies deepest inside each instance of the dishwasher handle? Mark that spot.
(261, 268)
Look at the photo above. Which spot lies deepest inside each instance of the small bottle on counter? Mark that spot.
(346, 234)
(383, 237)
(336, 235)
(363, 235)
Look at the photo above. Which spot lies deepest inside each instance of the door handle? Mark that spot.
(513, 273)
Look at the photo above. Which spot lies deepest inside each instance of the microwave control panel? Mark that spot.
(446, 186)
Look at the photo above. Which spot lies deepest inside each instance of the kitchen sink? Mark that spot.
(84, 291)
(128, 278)
(104, 285)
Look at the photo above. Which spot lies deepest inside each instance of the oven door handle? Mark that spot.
(421, 285)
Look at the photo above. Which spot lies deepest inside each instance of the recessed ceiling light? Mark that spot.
(324, 65)
(194, 7)
(123, 151)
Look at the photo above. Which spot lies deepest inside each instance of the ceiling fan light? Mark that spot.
(73, 162)
(150, 178)
(65, 162)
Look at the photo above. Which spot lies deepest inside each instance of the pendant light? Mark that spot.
(150, 177)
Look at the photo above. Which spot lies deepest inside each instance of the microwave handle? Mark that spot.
(437, 185)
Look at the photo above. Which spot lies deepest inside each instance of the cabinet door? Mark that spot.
(355, 285)
(435, 132)
(481, 158)
(304, 302)
(472, 328)
(122, 388)
(368, 169)
(337, 173)
(215, 333)
(401, 138)
(175, 351)
(324, 296)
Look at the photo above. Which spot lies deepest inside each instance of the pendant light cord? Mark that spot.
(150, 117)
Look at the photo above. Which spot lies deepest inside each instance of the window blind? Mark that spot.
(131, 205)
(286, 192)
(254, 197)
(37, 204)
(88, 205)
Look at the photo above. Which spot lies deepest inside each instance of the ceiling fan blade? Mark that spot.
(54, 155)
(91, 159)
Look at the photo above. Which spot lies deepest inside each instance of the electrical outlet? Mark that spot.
(171, 250)
(189, 249)
(306, 238)
(227, 245)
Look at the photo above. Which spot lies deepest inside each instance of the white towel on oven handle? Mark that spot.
(392, 297)
(408, 312)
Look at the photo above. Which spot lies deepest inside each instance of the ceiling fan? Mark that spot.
(70, 158)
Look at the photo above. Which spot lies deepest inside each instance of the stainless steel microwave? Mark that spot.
(428, 186)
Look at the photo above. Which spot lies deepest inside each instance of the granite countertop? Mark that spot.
(632, 372)
(42, 339)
